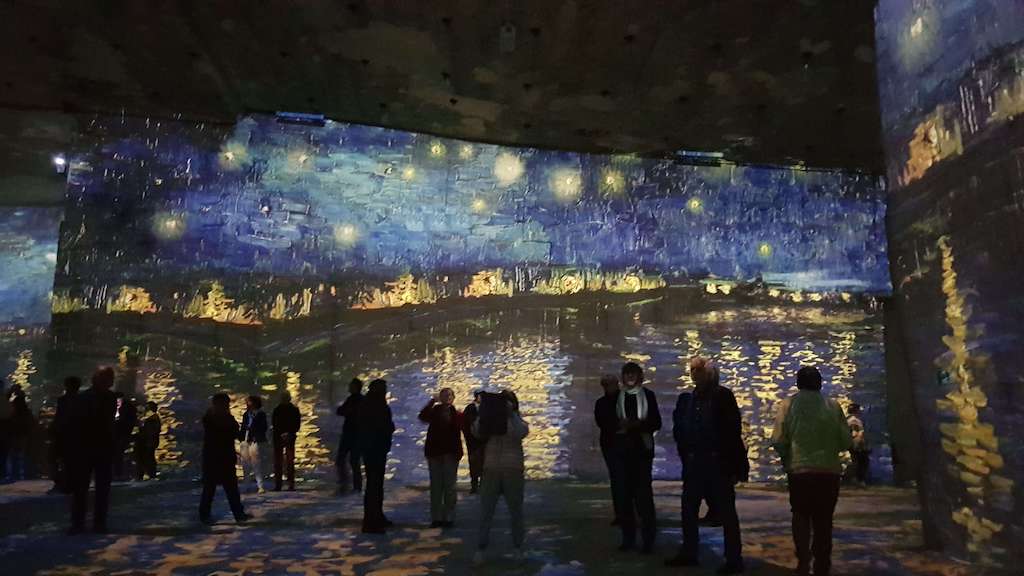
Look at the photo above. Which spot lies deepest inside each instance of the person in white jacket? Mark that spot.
(503, 474)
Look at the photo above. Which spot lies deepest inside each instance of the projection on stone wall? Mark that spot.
(952, 90)
(28, 255)
(272, 256)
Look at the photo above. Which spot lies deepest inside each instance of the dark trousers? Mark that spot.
(82, 473)
(120, 447)
(4, 447)
(704, 481)
(58, 463)
(636, 496)
(373, 497)
(861, 463)
(284, 458)
(813, 498)
(145, 462)
(230, 484)
(613, 480)
(476, 464)
(349, 459)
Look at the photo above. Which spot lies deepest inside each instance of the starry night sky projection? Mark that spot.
(152, 199)
(28, 254)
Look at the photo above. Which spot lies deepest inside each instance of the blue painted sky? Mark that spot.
(28, 255)
(341, 199)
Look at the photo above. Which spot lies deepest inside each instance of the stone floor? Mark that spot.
(311, 531)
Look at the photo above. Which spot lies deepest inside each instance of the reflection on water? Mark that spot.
(161, 387)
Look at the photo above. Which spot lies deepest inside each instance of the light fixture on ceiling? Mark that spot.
(60, 163)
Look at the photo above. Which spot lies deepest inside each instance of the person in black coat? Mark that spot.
(124, 424)
(220, 429)
(608, 423)
(146, 443)
(91, 449)
(348, 445)
(707, 427)
(60, 431)
(638, 418)
(286, 420)
(376, 429)
(474, 446)
(21, 427)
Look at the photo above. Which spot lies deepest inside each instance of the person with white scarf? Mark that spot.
(633, 455)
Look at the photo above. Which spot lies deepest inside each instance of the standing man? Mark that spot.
(91, 450)
(636, 409)
(861, 452)
(608, 423)
(348, 445)
(220, 429)
(810, 432)
(124, 424)
(706, 425)
(253, 437)
(443, 450)
(474, 446)
(60, 435)
(147, 442)
(286, 421)
(376, 431)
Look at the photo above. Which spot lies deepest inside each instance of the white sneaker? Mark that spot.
(479, 558)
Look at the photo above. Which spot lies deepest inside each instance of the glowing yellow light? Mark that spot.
(465, 152)
(167, 226)
(612, 182)
(695, 206)
(764, 250)
(508, 168)
(917, 27)
(479, 205)
(229, 155)
(437, 149)
(409, 173)
(232, 155)
(346, 235)
(567, 184)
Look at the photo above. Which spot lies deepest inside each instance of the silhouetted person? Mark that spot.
(124, 424)
(5, 430)
(636, 408)
(707, 427)
(146, 443)
(220, 429)
(861, 451)
(60, 430)
(608, 423)
(286, 421)
(376, 429)
(91, 449)
(810, 432)
(443, 449)
(504, 475)
(21, 426)
(474, 446)
(253, 437)
(349, 458)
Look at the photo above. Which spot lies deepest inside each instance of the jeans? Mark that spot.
(284, 460)
(145, 462)
(443, 472)
(230, 484)
(82, 472)
(614, 480)
(636, 496)
(252, 462)
(495, 483)
(813, 497)
(349, 459)
(703, 480)
(373, 497)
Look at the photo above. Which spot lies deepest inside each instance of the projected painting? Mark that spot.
(274, 256)
(28, 255)
(951, 77)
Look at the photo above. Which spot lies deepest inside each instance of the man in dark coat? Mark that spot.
(220, 429)
(124, 424)
(633, 447)
(60, 432)
(443, 450)
(608, 423)
(147, 442)
(285, 421)
(91, 449)
(376, 430)
(707, 427)
(474, 446)
(348, 444)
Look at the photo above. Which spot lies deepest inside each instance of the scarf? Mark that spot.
(641, 402)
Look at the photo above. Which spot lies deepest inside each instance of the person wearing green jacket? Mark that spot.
(810, 433)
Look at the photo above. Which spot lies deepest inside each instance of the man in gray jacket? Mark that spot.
(504, 474)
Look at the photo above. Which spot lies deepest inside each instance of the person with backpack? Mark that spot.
(443, 450)
(376, 430)
(636, 409)
(707, 427)
(504, 474)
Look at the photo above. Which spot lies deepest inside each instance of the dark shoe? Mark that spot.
(730, 568)
(680, 560)
(374, 530)
(207, 521)
(803, 569)
(436, 524)
(388, 523)
(242, 519)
